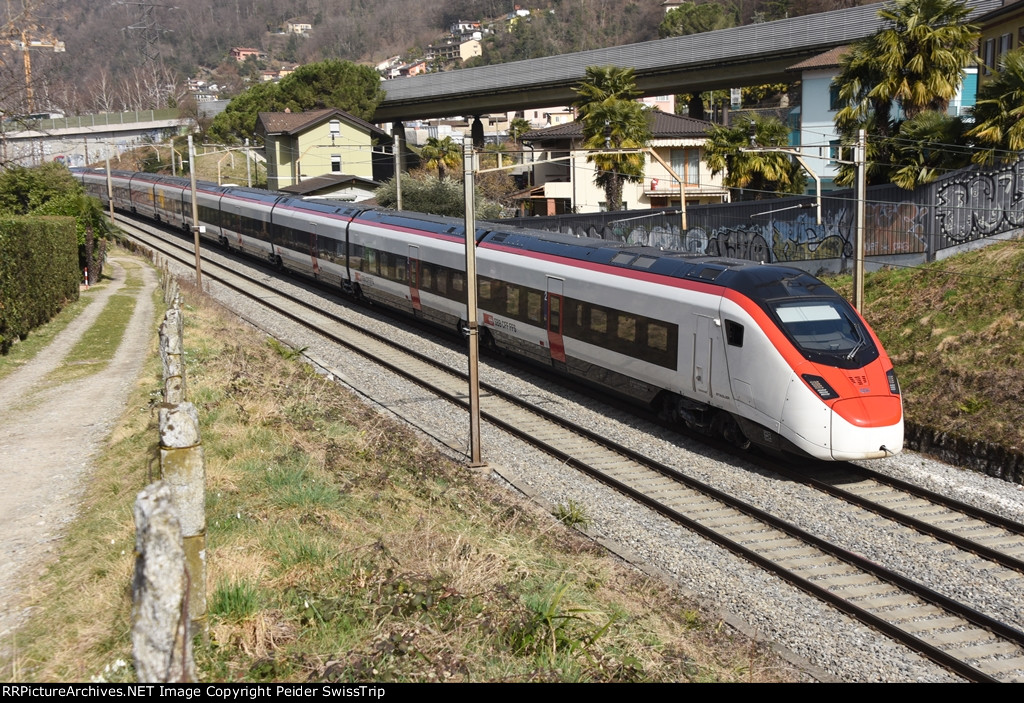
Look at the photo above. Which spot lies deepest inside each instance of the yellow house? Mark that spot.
(1002, 30)
(304, 145)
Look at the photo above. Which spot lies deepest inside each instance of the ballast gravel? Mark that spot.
(829, 646)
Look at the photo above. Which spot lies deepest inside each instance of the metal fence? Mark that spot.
(961, 207)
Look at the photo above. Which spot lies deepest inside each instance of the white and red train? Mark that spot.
(760, 354)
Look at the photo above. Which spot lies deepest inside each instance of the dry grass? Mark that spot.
(342, 548)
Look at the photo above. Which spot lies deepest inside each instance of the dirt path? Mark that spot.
(49, 436)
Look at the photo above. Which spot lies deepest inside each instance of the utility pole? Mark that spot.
(469, 166)
(196, 228)
(860, 159)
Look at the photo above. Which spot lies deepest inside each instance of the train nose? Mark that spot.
(871, 421)
(870, 411)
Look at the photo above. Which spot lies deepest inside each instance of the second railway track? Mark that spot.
(964, 639)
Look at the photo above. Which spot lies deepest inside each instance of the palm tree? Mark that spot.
(924, 149)
(604, 84)
(616, 125)
(764, 172)
(441, 154)
(916, 63)
(922, 53)
(612, 120)
(517, 128)
(999, 112)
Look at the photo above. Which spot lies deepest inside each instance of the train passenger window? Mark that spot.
(534, 306)
(458, 283)
(733, 333)
(400, 269)
(426, 277)
(657, 336)
(484, 289)
(626, 328)
(598, 321)
(512, 297)
(441, 281)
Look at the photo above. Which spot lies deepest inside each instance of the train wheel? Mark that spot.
(487, 340)
(667, 408)
(728, 428)
(462, 327)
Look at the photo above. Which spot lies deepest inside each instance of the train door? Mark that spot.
(555, 313)
(314, 253)
(414, 277)
(702, 354)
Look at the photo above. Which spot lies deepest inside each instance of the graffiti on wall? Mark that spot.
(979, 204)
(961, 207)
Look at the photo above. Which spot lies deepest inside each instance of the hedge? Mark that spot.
(38, 273)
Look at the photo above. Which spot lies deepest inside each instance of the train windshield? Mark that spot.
(827, 331)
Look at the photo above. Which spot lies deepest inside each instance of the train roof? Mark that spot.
(756, 280)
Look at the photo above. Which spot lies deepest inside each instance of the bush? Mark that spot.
(427, 193)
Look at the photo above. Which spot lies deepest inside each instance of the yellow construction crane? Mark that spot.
(17, 33)
(25, 45)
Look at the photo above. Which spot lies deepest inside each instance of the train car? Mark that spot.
(759, 354)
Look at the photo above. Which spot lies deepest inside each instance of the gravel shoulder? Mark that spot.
(49, 436)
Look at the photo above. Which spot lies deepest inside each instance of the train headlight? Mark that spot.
(820, 387)
(894, 385)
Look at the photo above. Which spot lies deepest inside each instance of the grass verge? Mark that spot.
(342, 548)
(955, 332)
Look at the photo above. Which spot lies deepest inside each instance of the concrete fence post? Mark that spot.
(181, 467)
(173, 357)
(161, 640)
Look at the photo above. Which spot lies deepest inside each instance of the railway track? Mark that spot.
(973, 644)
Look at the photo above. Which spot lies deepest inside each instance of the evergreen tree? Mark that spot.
(332, 83)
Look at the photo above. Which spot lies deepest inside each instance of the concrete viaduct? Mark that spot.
(749, 55)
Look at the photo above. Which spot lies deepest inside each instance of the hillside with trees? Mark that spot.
(134, 56)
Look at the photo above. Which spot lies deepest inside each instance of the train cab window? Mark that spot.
(733, 333)
(534, 306)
